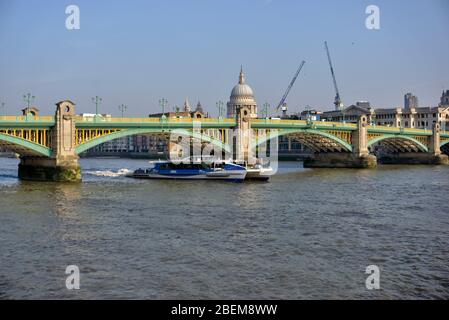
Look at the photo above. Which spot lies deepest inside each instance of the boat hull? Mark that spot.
(259, 174)
(236, 176)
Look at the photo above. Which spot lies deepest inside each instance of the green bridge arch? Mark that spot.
(33, 148)
(442, 144)
(130, 132)
(284, 132)
(419, 144)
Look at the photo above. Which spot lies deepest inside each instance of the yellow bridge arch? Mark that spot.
(422, 147)
(324, 136)
(24, 147)
(121, 133)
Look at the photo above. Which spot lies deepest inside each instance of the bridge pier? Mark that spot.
(47, 169)
(340, 160)
(413, 158)
(63, 164)
(243, 135)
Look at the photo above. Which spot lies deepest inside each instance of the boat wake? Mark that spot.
(108, 173)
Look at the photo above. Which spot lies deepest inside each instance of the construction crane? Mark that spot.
(338, 103)
(281, 103)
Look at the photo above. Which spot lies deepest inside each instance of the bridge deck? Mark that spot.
(39, 122)
(27, 122)
(207, 123)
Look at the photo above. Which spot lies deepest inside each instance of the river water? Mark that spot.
(305, 234)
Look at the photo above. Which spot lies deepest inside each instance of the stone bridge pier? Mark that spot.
(358, 158)
(63, 164)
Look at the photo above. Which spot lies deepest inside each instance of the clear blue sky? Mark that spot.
(135, 52)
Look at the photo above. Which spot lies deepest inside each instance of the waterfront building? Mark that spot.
(187, 107)
(349, 114)
(313, 115)
(186, 113)
(120, 145)
(288, 146)
(413, 117)
(242, 96)
(92, 115)
(199, 108)
(153, 144)
(445, 99)
(410, 101)
(180, 114)
(363, 104)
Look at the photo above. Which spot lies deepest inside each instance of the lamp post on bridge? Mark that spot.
(373, 119)
(122, 108)
(163, 103)
(28, 98)
(266, 106)
(3, 108)
(220, 106)
(307, 110)
(97, 101)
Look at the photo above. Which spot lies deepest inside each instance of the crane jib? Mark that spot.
(284, 97)
(337, 101)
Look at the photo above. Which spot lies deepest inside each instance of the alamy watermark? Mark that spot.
(372, 22)
(372, 282)
(72, 22)
(72, 282)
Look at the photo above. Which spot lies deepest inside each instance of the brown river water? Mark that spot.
(304, 234)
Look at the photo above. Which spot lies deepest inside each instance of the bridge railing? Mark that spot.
(289, 122)
(208, 120)
(399, 130)
(110, 119)
(280, 121)
(335, 124)
(151, 120)
(27, 118)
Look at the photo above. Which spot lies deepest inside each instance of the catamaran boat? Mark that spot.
(192, 171)
(256, 171)
(261, 170)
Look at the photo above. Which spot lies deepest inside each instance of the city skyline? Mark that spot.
(122, 53)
